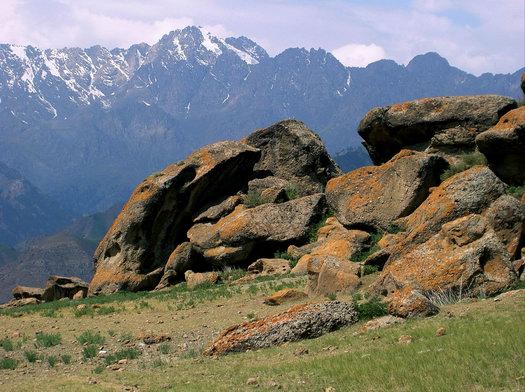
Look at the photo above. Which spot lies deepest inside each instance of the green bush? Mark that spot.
(361, 256)
(66, 358)
(52, 360)
(8, 363)
(7, 344)
(370, 269)
(314, 230)
(291, 193)
(164, 348)
(371, 309)
(466, 161)
(253, 199)
(48, 340)
(516, 191)
(89, 352)
(90, 337)
(128, 353)
(285, 255)
(31, 356)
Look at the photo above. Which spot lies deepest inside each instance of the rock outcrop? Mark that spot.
(299, 322)
(57, 287)
(444, 124)
(249, 232)
(504, 147)
(408, 303)
(374, 196)
(293, 152)
(160, 211)
(284, 296)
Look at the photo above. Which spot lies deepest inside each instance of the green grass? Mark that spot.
(370, 269)
(48, 340)
(253, 199)
(466, 161)
(89, 352)
(286, 256)
(8, 363)
(31, 356)
(164, 348)
(359, 257)
(128, 353)
(370, 309)
(291, 193)
(66, 359)
(516, 191)
(90, 337)
(7, 344)
(314, 230)
(52, 360)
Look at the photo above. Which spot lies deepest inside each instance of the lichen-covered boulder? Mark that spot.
(504, 147)
(219, 210)
(299, 322)
(284, 296)
(453, 123)
(257, 232)
(195, 279)
(330, 275)
(134, 251)
(269, 267)
(182, 259)
(294, 153)
(408, 303)
(466, 254)
(377, 195)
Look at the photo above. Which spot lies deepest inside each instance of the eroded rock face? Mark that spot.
(284, 296)
(259, 230)
(58, 287)
(20, 292)
(504, 147)
(330, 275)
(294, 153)
(195, 279)
(377, 195)
(465, 255)
(408, 303)
(182, 259)
(299, 322)
(160, 211)
(270, 267)
(446, 124)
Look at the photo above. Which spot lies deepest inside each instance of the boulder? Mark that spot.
(294, 153)
(504, 146)
(466, 255)
(269, 189)
(270, 267)
(410, 303)
(380, 322)
(330, 275)
(195, 279)
(257, 232)
(284, 296)
(20, 292)
(468, 192)
(58, 287)
(299, 322)
(377, 195)
(182, 259)
(507, 217)
(16, 303)
(161, 210)
(414, 124)
(216, 212)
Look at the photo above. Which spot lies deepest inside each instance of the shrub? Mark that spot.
(331, 296)
(253, 199)
(370, 269)
(394, 229)
(466, 161)
(312, 233)
(291, 193)
(90, 337)
(373, 308)
(128, 353)
(31, 356)
(48, 340)
(49, 313)
(7, 344)
(164, 348)
(374, 247)
(229, 274)
(8, 364)
(516, 191)
(87, 311)
(66, 358)
(285, 255)
(52, 360)
(89, 352)
(99, 369)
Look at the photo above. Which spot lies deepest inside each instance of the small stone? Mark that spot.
(301, 351)
(123, 361)
(81, 307)
(441, 331)
(102, 353)
(274, 384)
(91, 381)
(251, 381)
(405, 339)
(329, 389)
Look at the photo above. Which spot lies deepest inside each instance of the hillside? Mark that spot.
(86, 125)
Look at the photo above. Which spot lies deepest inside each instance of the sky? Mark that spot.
(475, 35)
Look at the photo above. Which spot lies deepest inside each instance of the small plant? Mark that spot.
(31, 356)
(331, 296)
(90, 337)
(251, 316)
(253, 199)
(164, 348)
(394, 229)
(158, 363)
(374, 247)
(66, 359)
(291, 193)
(7, 344)
(229, 274)
(129, 353)
(516, 191)
(84, 311)
(466, 161)
(314, 230)
(285, 255)
(143, 305)
(99, 369)
(252, 289)
(49, 313)
(89, 352)
(112, 333)
(373, 308)
(52, 360)
(106, 310)
(8, 363)
(126, 336)
(48, 340)
(369, 269)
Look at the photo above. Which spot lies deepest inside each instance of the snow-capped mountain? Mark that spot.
(85, 125)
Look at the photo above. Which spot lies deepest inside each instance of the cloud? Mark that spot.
(359, 55)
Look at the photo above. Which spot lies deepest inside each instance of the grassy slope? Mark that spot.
(481, 351)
